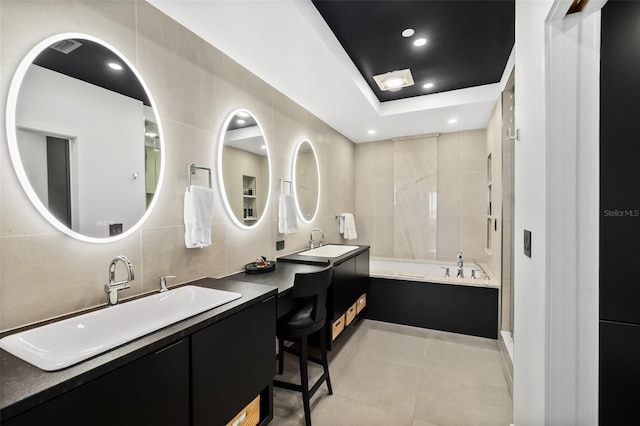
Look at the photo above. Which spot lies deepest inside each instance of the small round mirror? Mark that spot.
(306, 181)
(244, 169)
(84, 137)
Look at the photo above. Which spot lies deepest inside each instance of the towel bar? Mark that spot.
(192, 171)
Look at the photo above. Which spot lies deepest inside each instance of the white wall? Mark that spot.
(530, 213)
(108, 151)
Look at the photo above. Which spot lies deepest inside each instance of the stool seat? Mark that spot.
(299, 323)
(311, 289)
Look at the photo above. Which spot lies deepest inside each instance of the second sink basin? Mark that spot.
(330, 250)
(63, 343)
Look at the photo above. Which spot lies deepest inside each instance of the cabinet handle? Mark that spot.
(159, 351)
(240, 419)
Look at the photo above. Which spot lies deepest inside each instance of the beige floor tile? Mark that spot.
(479, 365)
(394, 348)
(445, 400)
(336, 410)
(418, 422)
(379, 384)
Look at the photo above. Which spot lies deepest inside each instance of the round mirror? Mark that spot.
(84, 138)
(244, 169)
(306, 180)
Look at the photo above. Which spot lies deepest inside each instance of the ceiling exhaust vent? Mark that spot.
(394, 80)
(66, 46)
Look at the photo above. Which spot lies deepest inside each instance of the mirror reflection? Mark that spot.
(87, 142)
(306, 180)
(244, 168)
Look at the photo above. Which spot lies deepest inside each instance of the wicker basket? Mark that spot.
(249, 415)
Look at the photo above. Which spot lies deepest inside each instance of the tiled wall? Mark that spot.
(424, 194)
(44, 273)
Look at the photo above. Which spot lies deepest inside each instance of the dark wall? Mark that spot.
(620, 214)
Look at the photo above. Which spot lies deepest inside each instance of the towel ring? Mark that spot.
(192, 171)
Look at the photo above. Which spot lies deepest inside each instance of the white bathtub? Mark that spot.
(413, 270)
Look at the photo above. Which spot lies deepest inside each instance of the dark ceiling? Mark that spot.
(89, 64)
(469, 42)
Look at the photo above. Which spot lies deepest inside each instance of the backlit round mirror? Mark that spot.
(244, 169)
(306, 180)
(84, 137)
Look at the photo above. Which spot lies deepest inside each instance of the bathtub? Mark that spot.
(417, 293)
(414, 270)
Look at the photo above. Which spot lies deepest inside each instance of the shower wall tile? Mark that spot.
(383, 229)
(473, 198)
(364, 161)
(473, 150)
(383, 159)
(448, 238)
(449, 152)
(473, 237)
(365, 190)
(449, 193)
(383, 196)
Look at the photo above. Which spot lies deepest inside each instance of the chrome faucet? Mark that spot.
(312, 242)
(459, 266)
(163, 282)
(112, 287)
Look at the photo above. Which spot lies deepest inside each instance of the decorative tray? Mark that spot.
(251, 268)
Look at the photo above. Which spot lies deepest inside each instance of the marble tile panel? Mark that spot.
(449, 152)
(473, 194)
(383, 165)
(473, 150)
(364, 160)
(383, 196)
(449, 194)
(365, 189)
(383, 229)
(473, 237)
(448, 238)
(414, 159)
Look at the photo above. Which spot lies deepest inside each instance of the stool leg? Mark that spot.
(304, 380)
(323, 353)
(280, 355)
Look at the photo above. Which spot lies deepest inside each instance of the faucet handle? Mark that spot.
(473, 273)
(163, 282)
(446, 271)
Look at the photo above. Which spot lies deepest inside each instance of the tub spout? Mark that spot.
(460, 265)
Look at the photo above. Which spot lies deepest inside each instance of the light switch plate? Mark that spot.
(527, 243)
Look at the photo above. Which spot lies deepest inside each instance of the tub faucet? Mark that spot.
(112, 287)
(459, 266)
(315, 243)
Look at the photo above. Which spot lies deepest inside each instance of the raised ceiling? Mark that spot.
(289, 45)
(466, 43)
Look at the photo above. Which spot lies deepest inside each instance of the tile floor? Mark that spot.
(395, 375)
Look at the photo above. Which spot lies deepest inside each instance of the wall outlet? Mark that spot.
(527, 243)
(280, 245)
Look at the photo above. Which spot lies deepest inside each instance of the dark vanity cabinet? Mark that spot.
(350, 281)
(153, 390)
(207, 377)
(232, 362)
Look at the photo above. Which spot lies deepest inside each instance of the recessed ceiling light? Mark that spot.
(243, 114)
(453, 120)
(420, 42)
(394, 80)
(115, 66)
(372, 132)
(427, 85)
(408, 32)
(151, 134)
(240, 121)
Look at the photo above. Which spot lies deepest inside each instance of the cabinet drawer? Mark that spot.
(249, 415)
(351, 314)
(338, 326)
(361, 303)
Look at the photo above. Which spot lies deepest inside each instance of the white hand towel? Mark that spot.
(198, 212)
(348, 226)
(287, 218)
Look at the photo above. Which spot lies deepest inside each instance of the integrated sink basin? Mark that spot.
(64, 343)
(330, 250)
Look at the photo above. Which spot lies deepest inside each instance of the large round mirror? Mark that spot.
(244, 169)
(84, 137)
(306, 180)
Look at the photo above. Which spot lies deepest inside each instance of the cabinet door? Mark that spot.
(153, 390)
(342, 287)
(232, 362)
(619, 374)
(362, 274)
